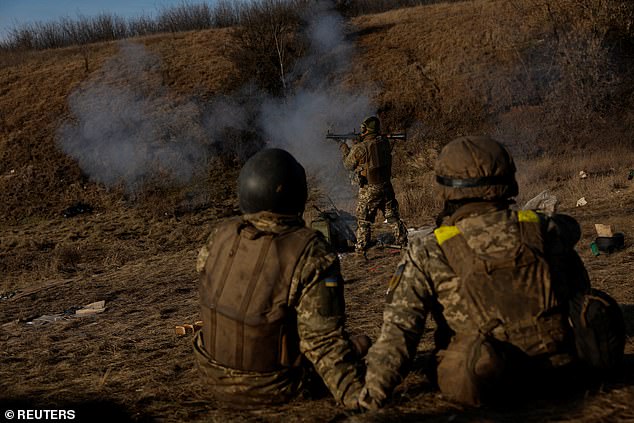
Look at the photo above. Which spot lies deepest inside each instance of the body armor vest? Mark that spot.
(248, 324)
(505, 292)
(378, 166)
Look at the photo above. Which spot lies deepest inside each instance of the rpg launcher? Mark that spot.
(343, 137)
(355, 136)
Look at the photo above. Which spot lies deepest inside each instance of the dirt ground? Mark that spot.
(127, 363)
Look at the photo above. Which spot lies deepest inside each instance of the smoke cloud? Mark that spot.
(321, 102)
(129, 129)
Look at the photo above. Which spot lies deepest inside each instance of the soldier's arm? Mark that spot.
(352, 160)
(345, 149)
(403, 324)
(320, 322)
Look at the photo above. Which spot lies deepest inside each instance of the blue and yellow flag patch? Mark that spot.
(331, 293)
(331, 282)
(394, 281)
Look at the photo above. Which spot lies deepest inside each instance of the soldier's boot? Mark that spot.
(400, 232)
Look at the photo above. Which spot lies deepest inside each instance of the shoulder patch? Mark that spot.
(527, 216)
(331, 282)
(395, 280)
(331, 297)
(445, 233)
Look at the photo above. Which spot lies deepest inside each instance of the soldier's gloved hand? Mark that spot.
(371, 400)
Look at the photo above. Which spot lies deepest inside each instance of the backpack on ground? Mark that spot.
(599, 329)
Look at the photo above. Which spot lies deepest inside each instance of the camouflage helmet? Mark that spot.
(371, 125)
(475, 168)
(272, 180)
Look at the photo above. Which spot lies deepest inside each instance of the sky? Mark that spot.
(16, 12)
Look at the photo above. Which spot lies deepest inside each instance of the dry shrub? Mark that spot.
(541, 70)
(417, 198)
(117, 257)
(267, 43)
(414, 181)
(586, 38)
(186, 17)
(66, 258)
(83, 30)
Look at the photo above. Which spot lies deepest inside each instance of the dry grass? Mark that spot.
(559, 70)
(36, 179)
(607, 171)
(448, 69)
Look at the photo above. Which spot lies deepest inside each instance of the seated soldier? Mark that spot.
(503, 284)
(271, 296)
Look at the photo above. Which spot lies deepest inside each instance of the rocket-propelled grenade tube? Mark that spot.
(356, 136)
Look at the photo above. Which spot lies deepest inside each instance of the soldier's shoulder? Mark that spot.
(214, 228)
(421, 236)
(358, 148)
(225, 222)
(423, 243)
(219, 225)
(317, 244)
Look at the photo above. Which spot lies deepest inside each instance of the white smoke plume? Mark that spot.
(320, 102)
(128, 128)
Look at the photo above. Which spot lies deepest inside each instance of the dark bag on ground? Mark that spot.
(599, 329)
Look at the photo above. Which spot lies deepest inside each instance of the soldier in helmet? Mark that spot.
(371, 160)
(500, 282)
(271, 296)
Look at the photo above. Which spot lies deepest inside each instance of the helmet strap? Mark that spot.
(473, 182)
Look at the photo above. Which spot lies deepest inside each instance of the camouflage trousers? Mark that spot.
(373, 198)
(241, 388)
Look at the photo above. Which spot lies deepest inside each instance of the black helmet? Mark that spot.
(272, 180)
(475, 168)
(371, 125)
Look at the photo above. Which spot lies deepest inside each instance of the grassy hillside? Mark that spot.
(150, 134)
(511, 70)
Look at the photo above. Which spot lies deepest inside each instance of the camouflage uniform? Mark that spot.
(372, 196)
(424, 282)
(316, 296)
(507, 288)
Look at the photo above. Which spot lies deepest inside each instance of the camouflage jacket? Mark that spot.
(316, 295)
(424, 272)
(356, 159)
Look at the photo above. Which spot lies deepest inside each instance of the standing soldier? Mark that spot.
(506, 283)
(271, 296)
(371, 161)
